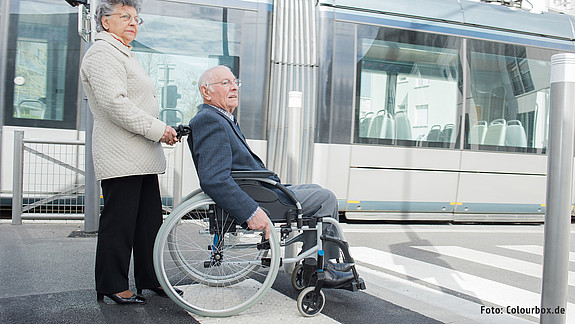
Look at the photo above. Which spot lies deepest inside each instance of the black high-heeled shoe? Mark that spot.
(134, 299)
(160, 291)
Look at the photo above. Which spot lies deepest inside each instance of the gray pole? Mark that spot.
(17, 178)
(4, 20)
(294, 146)
(559, 185)
(92, 199)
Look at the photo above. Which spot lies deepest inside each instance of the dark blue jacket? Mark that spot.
(218, 148)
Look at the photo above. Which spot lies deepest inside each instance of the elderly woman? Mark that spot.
(126, 151)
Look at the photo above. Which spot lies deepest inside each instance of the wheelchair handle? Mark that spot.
(183, 130)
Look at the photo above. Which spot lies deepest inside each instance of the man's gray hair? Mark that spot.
(107, 7)
(208, 77)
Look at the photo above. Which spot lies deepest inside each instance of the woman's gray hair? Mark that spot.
(208, 77)
(107, 7)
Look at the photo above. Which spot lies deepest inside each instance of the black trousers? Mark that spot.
(129, 222)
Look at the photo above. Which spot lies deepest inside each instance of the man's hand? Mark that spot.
(259, 222)
(170, 136)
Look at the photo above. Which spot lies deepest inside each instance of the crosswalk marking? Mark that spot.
(533, 249)
(481, 288)
(494, 260)
(430, 302)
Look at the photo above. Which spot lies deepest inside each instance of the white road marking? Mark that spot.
(533, 249)
(429, 302)
(481, 288)
(494, 260)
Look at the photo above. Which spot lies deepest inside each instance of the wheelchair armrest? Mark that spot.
(251, 174)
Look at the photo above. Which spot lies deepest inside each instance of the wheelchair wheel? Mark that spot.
(309, 303)
(297, 277)
(221, 273)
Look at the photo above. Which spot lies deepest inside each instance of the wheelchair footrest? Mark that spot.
(354, 285)
(358, 284)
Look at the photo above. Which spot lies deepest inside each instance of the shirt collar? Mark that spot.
(225, 112)
(104, 35)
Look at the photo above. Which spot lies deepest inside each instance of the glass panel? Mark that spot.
(30, 80)
(43, 54)
(509, 103)
(179, 41)
(408, 91)
(175, 60)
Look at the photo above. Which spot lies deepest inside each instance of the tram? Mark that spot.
(413, 111)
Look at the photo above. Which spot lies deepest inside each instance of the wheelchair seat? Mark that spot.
(269, 201)
(266, 193)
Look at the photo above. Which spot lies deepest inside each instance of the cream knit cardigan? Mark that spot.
(122, 99)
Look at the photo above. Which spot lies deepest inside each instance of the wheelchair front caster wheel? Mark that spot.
(297, 278)
(309, 303)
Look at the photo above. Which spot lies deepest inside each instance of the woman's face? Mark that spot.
(123, 23)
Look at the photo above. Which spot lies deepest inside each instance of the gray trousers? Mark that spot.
(318, 201)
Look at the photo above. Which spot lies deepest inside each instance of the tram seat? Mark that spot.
(515, 134)
(477, 133)
(402, 126)
(433, 134)
(364, 124)
(447, 133)
(496, 131)
(387, 128)
(381, 126)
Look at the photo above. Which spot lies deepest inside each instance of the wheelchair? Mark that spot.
(224, 269)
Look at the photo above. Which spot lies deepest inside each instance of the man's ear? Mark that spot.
(205, 92)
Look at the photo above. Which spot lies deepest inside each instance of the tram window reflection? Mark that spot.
(213, 35)
(175, 60)
(408, 89)
(509, 104)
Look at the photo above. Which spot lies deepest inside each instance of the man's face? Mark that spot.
(224, 95)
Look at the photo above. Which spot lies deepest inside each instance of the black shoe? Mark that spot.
(160, 291)
(336, 279)
(134, 299)
(342, 267)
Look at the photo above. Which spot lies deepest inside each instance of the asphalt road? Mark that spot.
(430, 273)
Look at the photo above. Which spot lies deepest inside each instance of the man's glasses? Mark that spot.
(228, 83)
(127, 18)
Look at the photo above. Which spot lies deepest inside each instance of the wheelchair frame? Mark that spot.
(224, 268)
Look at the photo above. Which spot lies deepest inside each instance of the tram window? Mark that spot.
(408, 89)
(175, 59)
(42, 66)
(509, 105)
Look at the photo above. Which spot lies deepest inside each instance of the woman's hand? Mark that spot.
(170, 136)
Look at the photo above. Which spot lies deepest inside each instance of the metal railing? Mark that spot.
(49, 179)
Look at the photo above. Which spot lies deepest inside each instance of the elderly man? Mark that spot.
(218, 147)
